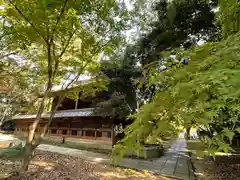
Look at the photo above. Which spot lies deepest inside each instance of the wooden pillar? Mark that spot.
(113, 135)
(58, 131)
(79, 133)
(76, 104)
(95, 134)
(69, 127)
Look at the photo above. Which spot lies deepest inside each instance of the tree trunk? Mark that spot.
(45, 129)
(27, 152)
(60, 99)
(3, 117)
(30, 146)
(113, 136)
(187, 136)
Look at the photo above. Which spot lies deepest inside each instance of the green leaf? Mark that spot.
(234, 119)
(108, 49)
(212, 151)
(200, 153)
(172, 12)
(150, 122)
(238, 129)
(140, 85)
(224, 147)
(227, 133)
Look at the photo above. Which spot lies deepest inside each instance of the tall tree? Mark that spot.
(60, 38)
(179, 23)
(20, 95)
(122, 72)
(228, 17)
(204, 92)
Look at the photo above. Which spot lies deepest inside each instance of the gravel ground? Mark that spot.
(52, 166)
(223, 168)
(227, 168)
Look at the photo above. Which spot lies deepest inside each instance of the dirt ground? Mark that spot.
(223, 168)
(227, 167)
(52, 166)
(204, 169)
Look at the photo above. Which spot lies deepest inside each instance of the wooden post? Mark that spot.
(79, 133)
(76, 104)
(69, 128)
(95, 134)
(113, 135)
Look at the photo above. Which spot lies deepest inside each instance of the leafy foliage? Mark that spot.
(197, 94)
(122, 73)
(20, 95)
(179, 23)
(61, 40)
(173, 25)
(229, 17)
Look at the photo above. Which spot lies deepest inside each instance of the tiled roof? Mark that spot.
(67, 113)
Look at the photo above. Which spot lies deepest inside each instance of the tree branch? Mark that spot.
(56, 60)
(26, 19)
(61, 54)
(50, 73)
(67, 44)
(76, 77)
(51, 40)
(60, 99)
(65, 82)
(58, 19)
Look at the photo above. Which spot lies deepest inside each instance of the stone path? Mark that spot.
(174, 163)
(177, 162)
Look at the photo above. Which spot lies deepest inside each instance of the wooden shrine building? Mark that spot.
(74, 118)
